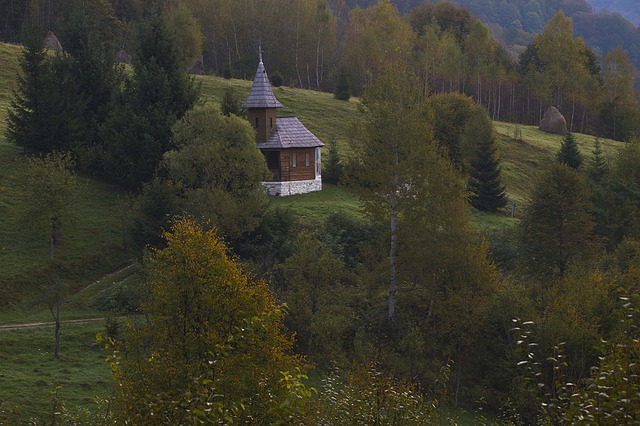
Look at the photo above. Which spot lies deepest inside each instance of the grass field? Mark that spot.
(30, 376)
(523, 161)
(8, 70)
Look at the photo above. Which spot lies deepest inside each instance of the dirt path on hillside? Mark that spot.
(47, 324)
(20, 326)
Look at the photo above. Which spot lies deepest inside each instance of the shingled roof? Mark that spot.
(290, 133)
(261, 95)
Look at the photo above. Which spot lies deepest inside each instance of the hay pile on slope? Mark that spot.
(553, 122)
(51, 42)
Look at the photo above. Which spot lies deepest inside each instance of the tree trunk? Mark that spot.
(458, 379)
(393, 284)
(235, 38)
(318, 62)
(56, 350)
(478, 93)
(499, 103)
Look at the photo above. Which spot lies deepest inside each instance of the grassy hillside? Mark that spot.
(8, 70)
(326, 117)
(32, 380)
(523, 161)
(27, 371)
(94, 249)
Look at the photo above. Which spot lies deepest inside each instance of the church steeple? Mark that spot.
(261, 105)
(261, 95)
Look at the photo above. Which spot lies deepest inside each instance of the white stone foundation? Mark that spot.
(282, 189)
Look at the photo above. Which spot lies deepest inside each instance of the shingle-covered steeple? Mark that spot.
(261, 95)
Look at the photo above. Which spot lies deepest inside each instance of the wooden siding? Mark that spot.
(301, 171)
(266, 122)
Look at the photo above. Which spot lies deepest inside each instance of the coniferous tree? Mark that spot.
(62, 99)
(230, 104)
(333, 168)
(557, 225)
(89, 38)
(138, 131)
(598, 164)
(342, 90)
(485, 184)
(32, 110)
(569, 153)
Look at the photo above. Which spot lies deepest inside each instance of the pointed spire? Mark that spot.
(261, 95)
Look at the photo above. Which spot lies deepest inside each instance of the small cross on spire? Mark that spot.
(260, 52)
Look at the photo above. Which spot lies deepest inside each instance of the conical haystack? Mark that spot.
(51, 42)
(553, 122)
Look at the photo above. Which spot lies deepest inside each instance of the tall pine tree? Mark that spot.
(569, 153)
(333, 167)
(556, 226)
(32, 121)
(138, 132)
(598, 166)
(485, 183)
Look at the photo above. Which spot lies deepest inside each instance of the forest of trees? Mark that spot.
(401, 309)
(328, 43)
(627, 8)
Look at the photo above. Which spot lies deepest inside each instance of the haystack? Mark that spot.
(553, 122)
(197, 67)
(51, 42)
(123, 56)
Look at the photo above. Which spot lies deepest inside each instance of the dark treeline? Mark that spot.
(317, 42)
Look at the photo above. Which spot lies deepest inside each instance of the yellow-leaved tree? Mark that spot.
(211, 349)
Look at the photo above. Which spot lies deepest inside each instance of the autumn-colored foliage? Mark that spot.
(212, 347)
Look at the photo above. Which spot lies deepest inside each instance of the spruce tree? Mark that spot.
(32, 109)
(557, 224)
(569, 153)
(342, 90)
(333, 168)
(138, 131)
(230, 104)
(485, 184)
(598, 166)
(89, 39)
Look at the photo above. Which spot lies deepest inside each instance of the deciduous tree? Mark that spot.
(219, 168)
(391, 146)
(317, 300)
(51, 190)
(212, 349)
